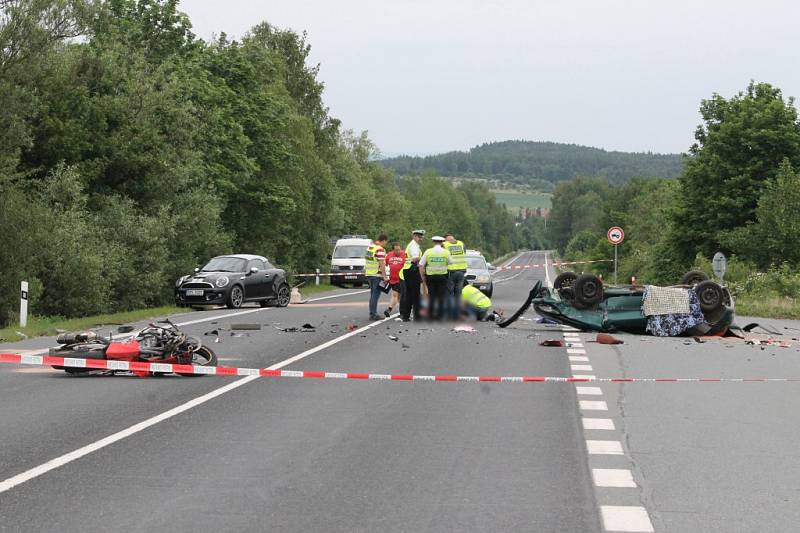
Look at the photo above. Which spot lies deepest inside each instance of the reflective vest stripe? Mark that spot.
(371, 263)
(436, 262)
(459, 255)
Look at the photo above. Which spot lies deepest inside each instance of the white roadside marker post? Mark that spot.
(317, 277)
(23, 304)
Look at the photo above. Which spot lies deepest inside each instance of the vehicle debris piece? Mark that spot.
(308, 326)
(246, 326)
(551, 342)
(464, 329)
(213, 332)
(124, 329)
(605, 338)
(393, 337)
(352, 327)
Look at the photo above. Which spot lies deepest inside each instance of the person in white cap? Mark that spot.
(433, 269)
(410, 279)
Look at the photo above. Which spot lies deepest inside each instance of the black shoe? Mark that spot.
(388, 313)
(375, 317)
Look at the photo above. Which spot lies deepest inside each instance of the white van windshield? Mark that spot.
(350, 252)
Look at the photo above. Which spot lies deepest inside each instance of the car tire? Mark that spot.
(693, 277)
(490, 291)
(235, 297)
(565, 279)
(283, 295)
(588, 290)
(711, 296)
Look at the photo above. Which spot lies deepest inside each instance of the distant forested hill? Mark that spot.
(527, 162)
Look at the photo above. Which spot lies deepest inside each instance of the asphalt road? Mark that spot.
(335, 455)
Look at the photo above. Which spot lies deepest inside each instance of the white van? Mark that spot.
(348, 256)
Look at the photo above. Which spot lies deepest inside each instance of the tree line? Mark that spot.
(537, 164)
(739, 194)
(132, 151)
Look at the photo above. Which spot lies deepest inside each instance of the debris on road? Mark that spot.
(464, 329)
(605, 338)
(351, 327)
(551, 342)
(246, 326)
(393, 338)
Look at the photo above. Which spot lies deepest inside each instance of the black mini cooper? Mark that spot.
(232, 280)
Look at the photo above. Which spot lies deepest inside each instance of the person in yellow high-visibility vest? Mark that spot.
(375, 271)
(475, 303)
(456, 271)
(433, 269)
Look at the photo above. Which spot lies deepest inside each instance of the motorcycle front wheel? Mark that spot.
(204, 356)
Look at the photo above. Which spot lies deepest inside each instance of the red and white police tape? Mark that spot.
(514, 267)
(134, 366)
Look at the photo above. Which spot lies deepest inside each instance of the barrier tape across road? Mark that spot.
(103, 364)
(514, 267)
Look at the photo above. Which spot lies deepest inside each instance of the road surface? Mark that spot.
(338, 455)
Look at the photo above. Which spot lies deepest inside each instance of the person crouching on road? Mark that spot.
(475, 303)
(410, 278)
(456, 271)
(433, 268)
(395, 261)
(375, 271)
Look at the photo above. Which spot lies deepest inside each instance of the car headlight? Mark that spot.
(181, 280)
(482, 279)
(221, 281)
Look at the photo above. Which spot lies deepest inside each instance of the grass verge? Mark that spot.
(42, 326)
(768, 307)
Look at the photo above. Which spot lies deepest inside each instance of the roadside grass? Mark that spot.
(309, 287)
(768, 307)
(514, 199)
(43, 326)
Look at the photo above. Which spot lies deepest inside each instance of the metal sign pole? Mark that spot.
(615, 263)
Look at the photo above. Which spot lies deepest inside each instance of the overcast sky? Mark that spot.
(425, 76)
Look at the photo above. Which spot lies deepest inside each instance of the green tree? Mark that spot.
(739, 148)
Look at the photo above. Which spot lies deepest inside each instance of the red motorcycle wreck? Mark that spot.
(162, 343)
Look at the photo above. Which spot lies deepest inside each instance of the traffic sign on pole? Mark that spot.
(615, 236)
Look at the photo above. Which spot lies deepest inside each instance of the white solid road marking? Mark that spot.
(593, 405)
(626, 518)
(605, 424)
(604, 447)
(582, 368)
(578, 359)
(576, 351)
(589, 391)
(136, 428)
(613, 477)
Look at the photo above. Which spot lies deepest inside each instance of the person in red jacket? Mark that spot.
(394, 261)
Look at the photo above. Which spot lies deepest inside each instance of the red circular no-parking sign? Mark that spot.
(615, 235)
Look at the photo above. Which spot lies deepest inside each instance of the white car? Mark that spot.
(479, 272)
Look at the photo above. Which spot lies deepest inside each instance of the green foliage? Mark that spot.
(739, 149)
(530, 163)
(134, 155)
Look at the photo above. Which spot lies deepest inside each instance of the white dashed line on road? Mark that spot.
(604, 447)
(591, 405)
(589, 391)
(581, 368)
(604, 424)
(626, 518)
(613, 477)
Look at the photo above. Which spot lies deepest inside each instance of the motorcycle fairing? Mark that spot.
(124, 351)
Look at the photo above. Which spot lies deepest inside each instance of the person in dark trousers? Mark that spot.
(395, 260)
(433, 268)
(456, 272)
(410, 280)
(375, 270)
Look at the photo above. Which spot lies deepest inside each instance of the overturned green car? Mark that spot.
(696, 306)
